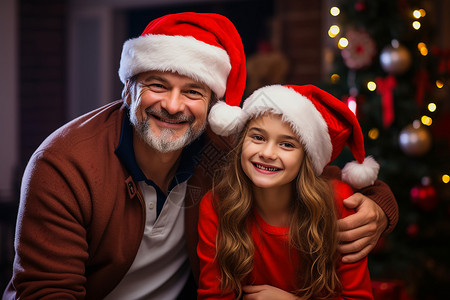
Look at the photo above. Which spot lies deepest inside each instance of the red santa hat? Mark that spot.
(203, 46)
(323, 123)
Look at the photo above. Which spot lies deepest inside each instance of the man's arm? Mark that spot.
(382, 195)
(51, 247)
(359, 233)
(376, 213)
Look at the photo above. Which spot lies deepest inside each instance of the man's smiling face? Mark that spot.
(169, 110)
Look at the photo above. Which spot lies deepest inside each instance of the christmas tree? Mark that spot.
(389, 68)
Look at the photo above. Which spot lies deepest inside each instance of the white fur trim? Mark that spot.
(361, 175)
(306, 121)
(224, 119)
(181, 54)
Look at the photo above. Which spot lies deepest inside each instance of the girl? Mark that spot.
(268, 228)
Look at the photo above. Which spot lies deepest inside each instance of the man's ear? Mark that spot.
(127, 95)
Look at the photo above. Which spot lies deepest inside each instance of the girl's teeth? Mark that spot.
(266, 168)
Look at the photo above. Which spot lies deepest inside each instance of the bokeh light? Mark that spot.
(343, 42)
(333, 31)
(445, 178)
(371, 86)
(335, 11)
(426, 120)
(374, 133)
(432, 107)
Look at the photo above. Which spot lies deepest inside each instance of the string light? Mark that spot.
(416, 25)
(445, 178)
(417, 14)
(374, 133)
(371, 86)
(439, 84)
(395, 43)
(352, 105)
(343, 42)
(426, 120)
(333, 31)
(432, 107)
(335, 11)
(422, 48)
(335, 78)
(423, 13)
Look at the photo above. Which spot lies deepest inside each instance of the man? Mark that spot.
(102, 210)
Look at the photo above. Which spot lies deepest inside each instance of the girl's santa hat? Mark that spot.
(203, 46)
(323, 123)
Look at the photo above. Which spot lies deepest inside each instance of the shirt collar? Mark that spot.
(190, 156)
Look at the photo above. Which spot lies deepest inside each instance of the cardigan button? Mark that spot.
(131, 187)
(151, 205)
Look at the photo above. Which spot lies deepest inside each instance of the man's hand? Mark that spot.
(261, 292)
(359, 233)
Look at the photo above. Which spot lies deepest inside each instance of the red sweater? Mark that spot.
(272, 263)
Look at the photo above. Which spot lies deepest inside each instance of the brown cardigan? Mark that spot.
(81, 217)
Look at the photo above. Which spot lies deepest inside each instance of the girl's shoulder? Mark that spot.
(206, 200)
(341, 192)
(341, 188)
(207, 204)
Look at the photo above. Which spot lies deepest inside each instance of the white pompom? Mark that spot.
(361, 175)
(224, 119)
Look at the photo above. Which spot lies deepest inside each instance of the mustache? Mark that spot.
(162, 113)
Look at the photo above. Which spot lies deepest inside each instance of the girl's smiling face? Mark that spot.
(271, 152)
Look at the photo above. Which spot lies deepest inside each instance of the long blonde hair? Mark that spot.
(313, 228)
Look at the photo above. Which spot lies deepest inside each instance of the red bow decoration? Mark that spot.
(385, 87)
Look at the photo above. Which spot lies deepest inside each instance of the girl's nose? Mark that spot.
(269, 151)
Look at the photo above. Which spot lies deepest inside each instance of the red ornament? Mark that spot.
(412, 230)
(424, 197)
(360, 6)
(389, 289)
(360, 51)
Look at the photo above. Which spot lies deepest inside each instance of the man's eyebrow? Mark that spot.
(155, 77)
(195, 85)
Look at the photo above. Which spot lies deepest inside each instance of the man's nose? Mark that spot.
(173, 102)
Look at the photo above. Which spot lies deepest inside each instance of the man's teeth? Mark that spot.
(266, 168)
(170, 121)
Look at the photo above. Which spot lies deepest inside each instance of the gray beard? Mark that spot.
(164, 143)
